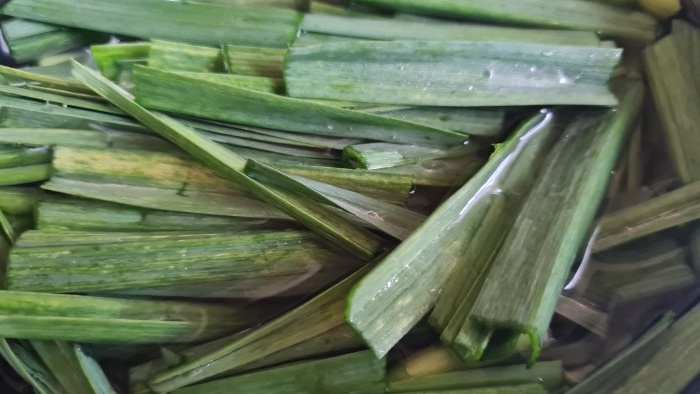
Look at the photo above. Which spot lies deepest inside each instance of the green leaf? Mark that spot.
(405, 285)
(61, 360)
(93, 372)
(678, 358)
(341, 374)
(261, 263)
(162, 90)
(550, 374)
(528, 274)
(339, 340)
(566, 14)
(29, 41)
(231, 166)
(378, 155)
(45, 80)
(383, 185)
(393, 29)
(321, 314)
(205, 24)
(88, 215)
(115, 61)
(396, 221)
(666, 211)
(255, 61)
(471, 121)
(82, 139)
(616, 371)
(676, 89)
(29, 367)
(177, 56)
(86, 319)
(256, 83)
(204, 202)
(19, 200)
(452, 73)
(24, 174)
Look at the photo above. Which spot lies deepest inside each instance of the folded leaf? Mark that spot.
(386, 304)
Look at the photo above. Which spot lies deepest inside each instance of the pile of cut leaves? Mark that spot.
(388, 196)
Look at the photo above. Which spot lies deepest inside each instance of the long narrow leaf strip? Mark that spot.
(384, 185)
(321, 314)
(678, 358)
(176, 56)
(16, 112)
(669, 210)
(58, 99)
(96, 377)
(452, 73)
(339, 340)
(549, 374)
(104, 320)
(231, 166)
(7, 229)
(87, 215)
(29, 41)
(82, 139)
(255, 83)
(29, 367)
(471, 121)
(396, 221)
(262, 62)
(380, 29)
(513, 389)
(60, 358)
(378, 155)
(300, 5)
(452, 172)
(676, 88)
(565, 14)
(405, 285)
(616, 371)
(205, 24)
(540, 249)
(157, 197)
(342, 374)
(45, 80)
(161, 90)
(276, 261)
(176, 172)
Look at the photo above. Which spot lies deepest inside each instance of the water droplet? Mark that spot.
(329, 127)
(547, 53)
(533, 69)
(488, 73)
(470, 88)
(563, 79)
